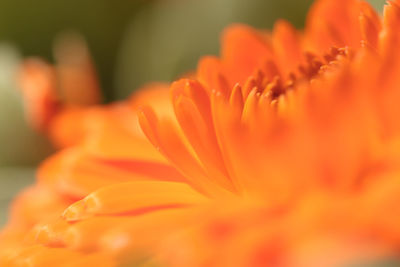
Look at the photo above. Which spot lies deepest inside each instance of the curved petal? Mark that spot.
(139, 196)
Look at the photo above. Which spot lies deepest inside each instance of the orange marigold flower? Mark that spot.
(284, 151)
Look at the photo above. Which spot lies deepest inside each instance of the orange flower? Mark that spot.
(282, 152)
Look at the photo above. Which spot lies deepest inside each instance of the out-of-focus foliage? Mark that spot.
(33, 25)
(20, 145)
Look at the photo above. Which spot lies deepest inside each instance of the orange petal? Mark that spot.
(333, 23)
(166, 138)
(36, 204)
(143, 233)
(208, 70)
(287, 46)
(134, 196)
(195, 120)
(39, 255)
(370, 23)
(85, 235)
(75, 173)
(244, 50)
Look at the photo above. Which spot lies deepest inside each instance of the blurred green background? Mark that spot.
(132, 42)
